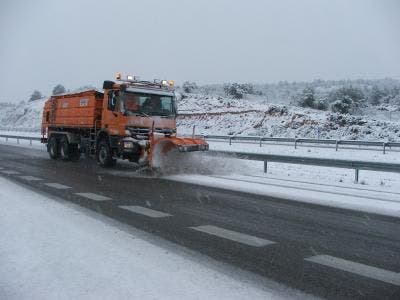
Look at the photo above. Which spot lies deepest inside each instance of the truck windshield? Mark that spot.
(149, 104)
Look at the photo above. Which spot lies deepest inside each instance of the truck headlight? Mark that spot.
(128, 145)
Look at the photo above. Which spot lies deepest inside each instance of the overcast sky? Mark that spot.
(78, 42)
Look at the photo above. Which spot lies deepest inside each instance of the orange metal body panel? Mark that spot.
(78, 110)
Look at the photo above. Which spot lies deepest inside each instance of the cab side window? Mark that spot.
(113, 100)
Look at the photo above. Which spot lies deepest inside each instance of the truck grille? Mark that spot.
(144, 133)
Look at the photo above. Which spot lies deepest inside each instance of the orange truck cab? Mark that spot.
(130, 119)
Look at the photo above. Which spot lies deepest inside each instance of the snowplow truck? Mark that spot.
(129, 119)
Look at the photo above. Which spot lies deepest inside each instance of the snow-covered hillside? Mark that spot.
(219, 115)
(23, 116)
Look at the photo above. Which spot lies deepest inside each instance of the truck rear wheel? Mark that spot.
(65, 149)
(104, 155)
(52, 147)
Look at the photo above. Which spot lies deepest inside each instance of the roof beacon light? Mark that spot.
(129, 77)
(164, 82)
(171, 83)
(118, 76)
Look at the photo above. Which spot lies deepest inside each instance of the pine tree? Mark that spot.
(59, 89)
(35, 96)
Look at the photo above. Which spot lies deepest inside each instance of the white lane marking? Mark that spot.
(30, 178)
(9, 172)
(57, 185)
(93, 196)
(233, 235)
(145, 211)
(357, 268)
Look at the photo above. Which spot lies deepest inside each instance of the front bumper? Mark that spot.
(193, 147)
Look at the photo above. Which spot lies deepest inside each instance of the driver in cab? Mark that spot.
(152, 104)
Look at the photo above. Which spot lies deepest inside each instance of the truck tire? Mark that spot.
(53, 147)
(104, 155)
(65, 149)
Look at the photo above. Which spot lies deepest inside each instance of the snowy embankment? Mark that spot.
(218, 115)
(25, 117)
(222, 115)
(83, 255)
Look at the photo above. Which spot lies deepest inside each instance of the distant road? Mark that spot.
(329, 252)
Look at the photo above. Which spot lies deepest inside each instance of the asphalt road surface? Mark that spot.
(327, 252)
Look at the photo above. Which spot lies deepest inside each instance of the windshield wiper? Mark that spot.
(143, 114)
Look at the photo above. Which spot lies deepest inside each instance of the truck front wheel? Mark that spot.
(52, 147)
(104, 155)
(65, 149)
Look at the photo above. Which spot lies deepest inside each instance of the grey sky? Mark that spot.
(79, 42)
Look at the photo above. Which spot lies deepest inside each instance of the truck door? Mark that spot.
(111, 113)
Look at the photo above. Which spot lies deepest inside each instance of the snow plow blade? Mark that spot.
(190, 145)
(182, 144)
(164, 147)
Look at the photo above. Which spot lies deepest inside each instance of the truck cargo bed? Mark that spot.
(75, 110)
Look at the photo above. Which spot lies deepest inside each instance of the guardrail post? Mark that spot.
(356, 173)
(6, 139)
(265, 166)
(230, 140)
(30, 142)
(17, 140)
(384, 148)
(337, 145)
(260, 142)
(295, 144)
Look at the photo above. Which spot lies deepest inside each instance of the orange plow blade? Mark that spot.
(163, 146)
(185, 144)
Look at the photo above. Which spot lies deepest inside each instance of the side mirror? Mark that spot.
(112, 100)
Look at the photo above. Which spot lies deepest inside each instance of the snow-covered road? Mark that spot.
(50, 250)
(377, 192)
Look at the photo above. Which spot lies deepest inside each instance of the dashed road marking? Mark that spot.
(10, 172)
(145, 211)
(233, 235)
(93, 196)
(357, 268)
(57, 185)
(30, 178)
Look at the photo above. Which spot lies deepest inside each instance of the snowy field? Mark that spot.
(83, 255)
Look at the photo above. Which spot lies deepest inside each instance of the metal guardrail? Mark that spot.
(288, 159)
(313, 161)
(296, 142)
(18, 138)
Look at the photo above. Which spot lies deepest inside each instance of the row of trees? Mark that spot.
(234, 90)
(343, 100)
(57, 90)
(239, 90)
(346, 99)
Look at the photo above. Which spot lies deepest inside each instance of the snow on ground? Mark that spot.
(53, 250)
(364, 200)
(374, 154)
(23, 116)
(376, 192)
